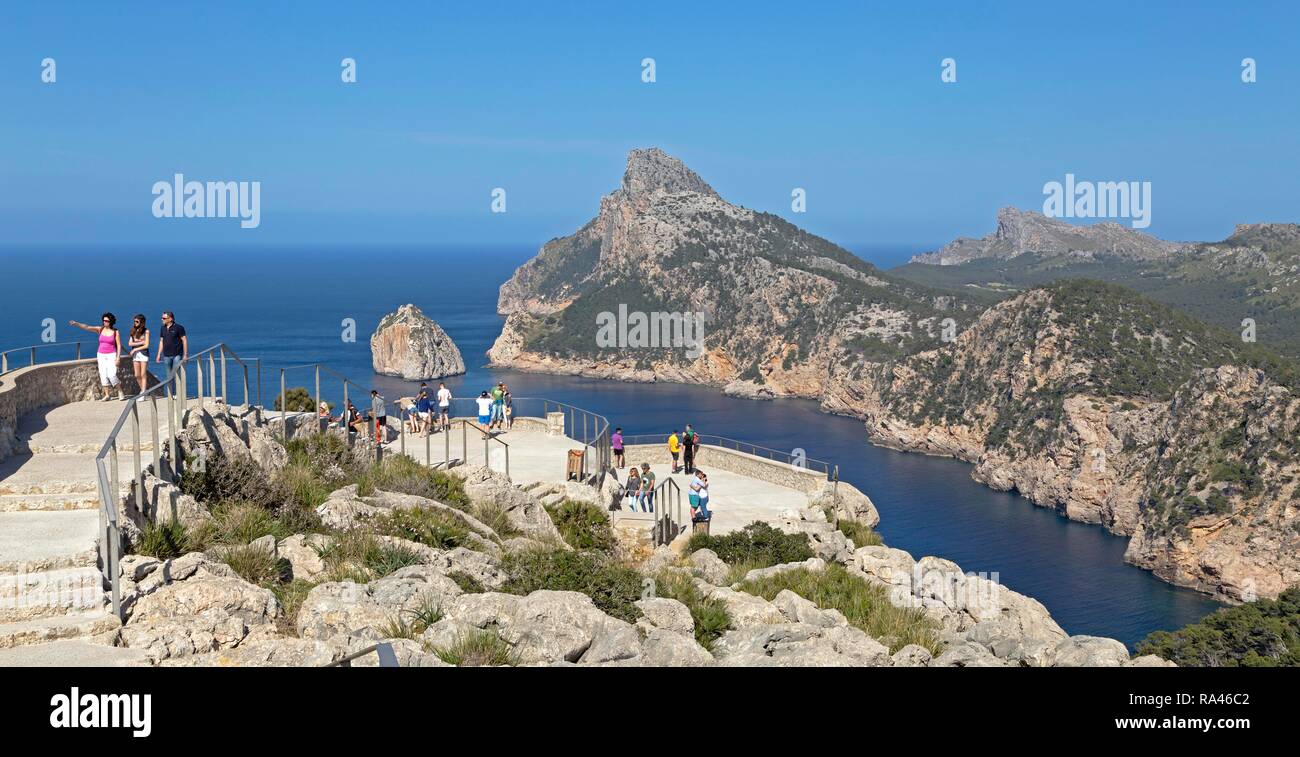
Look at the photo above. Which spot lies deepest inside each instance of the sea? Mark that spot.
(290, 305)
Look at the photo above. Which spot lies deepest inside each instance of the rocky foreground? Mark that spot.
(449, 606)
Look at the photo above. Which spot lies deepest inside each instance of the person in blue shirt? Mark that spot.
(423, 413)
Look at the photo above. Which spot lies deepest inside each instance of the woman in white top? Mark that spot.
(138, 343)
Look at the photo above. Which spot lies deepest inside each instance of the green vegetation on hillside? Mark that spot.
(864, 604)
(1264, 633)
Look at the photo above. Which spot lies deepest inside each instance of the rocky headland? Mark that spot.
(1085, 397)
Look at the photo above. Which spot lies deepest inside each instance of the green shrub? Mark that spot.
(757, 544)
(583, 525)
(290, 595)
(710, 615)
(466, 582)
(253, 564)
(401, 473)
(476, 649)
(425, 525)
(414, 621)
(361, 557)
(238, 522)
(495, 517)
(861, 534)
(613, 587)
(297, 399)
(304, 484)
(163, 540)
(864, 604)
(231, 478)
(1264, 633)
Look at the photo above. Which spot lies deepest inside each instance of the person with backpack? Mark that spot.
(647, 488)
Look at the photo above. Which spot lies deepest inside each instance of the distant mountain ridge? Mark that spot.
(1253, 274)
(1021, 231)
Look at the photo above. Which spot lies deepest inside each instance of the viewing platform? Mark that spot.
(67, 462)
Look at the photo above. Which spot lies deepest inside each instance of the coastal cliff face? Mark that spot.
(1082, 396)
(1096, 403)
(409, 344)
(778, 303)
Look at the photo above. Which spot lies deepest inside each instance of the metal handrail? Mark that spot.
(667, 501)
(830, 469)
(387, 657)
(318, 368)
(174, 388)
(31, 350)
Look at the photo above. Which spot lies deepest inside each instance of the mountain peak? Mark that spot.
(652, 169)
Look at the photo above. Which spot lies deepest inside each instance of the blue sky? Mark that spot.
(545, 99)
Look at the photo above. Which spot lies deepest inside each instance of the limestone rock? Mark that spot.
(1091, 652)
(303, 553)
(800, 645)
(709, 566)
(545, 626)
(665, 649)
(409, 344)
(912, 656)
(667, 614)
(524, 511)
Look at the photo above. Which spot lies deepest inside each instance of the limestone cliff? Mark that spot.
(1112, 410)
(1079, 395)
(409, 344)
(777, 302)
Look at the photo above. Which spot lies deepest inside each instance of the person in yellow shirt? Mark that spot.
(674, 448)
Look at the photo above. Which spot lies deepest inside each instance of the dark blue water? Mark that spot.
(287, 306)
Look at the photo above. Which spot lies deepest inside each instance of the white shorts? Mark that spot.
(425, 414)
(140, 357)
(107, 369)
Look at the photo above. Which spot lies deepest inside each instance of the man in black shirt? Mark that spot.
(173, 344)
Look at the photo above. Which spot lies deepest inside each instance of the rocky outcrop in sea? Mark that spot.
(409, 344)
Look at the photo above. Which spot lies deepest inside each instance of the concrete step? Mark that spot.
(124, 446)
(55, 473)
(51, 593)
(13, 503)
(69, 653)
(60, 473)
(40, 630)
(36, 540)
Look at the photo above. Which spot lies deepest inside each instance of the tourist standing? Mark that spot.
(107, 356)
(498, 404)
(632, 489)
(690, 441)
(674, 449)
(444, 406)
(378, 412)
(423, 413)
(138, 343)
(616, 443)
(173, 344)
(647, 488)
(484, 403)
(699, 497)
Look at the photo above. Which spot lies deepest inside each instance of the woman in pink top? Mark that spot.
(110, 347)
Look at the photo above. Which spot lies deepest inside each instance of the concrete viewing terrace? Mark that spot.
(51, 515)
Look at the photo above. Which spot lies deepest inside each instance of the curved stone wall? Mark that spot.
(47, 384)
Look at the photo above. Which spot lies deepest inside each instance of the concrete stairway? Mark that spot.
(51, 587)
